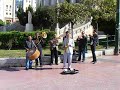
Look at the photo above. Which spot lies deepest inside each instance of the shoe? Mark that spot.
(41, 65)
(94, 62)
(56, 63)
(71, 69)
(65, 70)
(51, 63)
(83, 60)
(26, 69)
(30, 68)
(79, 60)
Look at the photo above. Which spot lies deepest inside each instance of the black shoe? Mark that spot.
(83, 60)
(94, 62)
(30, 68)
(79, 60)
(26, 69)
(56, 63)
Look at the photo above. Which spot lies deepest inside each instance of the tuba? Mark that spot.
(43, 35)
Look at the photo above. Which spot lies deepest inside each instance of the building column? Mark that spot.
(13, 16)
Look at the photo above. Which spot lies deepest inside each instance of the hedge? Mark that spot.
(15, 39)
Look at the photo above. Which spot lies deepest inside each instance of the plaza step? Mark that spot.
(20, 62)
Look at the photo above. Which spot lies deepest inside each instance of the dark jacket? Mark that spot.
(29, 44)
(82, 42)
(94, 40)
(52, 45)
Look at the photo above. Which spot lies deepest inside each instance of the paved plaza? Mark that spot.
(104, 75)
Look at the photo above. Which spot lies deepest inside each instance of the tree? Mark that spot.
(103, 13)
(1, 23)
(72, 12)
(22, 16)
(44, 17)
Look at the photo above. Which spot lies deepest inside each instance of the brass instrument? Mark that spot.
(43, 35)
(66, 47)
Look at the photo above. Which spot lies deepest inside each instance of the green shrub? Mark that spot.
(15, 39)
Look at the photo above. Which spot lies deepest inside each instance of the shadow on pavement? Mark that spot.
(11, 69)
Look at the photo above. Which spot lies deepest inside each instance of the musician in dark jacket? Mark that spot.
(39, 42)
(82, 42)
(54, 50)
(29, 44)
(93, 43)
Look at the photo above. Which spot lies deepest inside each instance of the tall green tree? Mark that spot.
(72, 12)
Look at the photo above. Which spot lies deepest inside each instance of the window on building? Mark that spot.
(10, 13)
(10, 6)
(6, 6)
(6, 13)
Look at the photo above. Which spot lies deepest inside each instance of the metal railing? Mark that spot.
(107, 39)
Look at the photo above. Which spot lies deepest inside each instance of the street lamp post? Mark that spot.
(117, 32)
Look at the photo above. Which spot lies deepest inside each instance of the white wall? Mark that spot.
(2, 10)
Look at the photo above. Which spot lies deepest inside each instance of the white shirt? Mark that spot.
(70, 45)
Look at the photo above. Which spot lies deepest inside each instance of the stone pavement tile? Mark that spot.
(104, 75)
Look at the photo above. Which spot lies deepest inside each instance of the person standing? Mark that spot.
(54, 50)
(93, 43)
(68, 45)
(82, 41)
(39, 42)
(29, 44)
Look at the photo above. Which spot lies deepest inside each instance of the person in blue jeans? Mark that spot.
(29, 44)
(82, 41)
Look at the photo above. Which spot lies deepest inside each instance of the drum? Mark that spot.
(33, 54)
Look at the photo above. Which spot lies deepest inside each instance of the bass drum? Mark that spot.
(33, 54)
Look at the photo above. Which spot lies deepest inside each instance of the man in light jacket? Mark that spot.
(68, 45)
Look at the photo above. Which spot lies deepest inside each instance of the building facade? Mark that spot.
(52, 2)
(27, 3)
(7, 10)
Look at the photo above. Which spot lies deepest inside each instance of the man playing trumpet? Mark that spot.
(68, 45)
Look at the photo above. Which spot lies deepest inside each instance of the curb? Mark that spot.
(20, 62)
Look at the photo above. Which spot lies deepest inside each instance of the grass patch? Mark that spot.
(18, 53)
(21, 53)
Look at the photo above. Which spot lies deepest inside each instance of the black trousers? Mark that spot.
(93, 48)
(54, 53)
